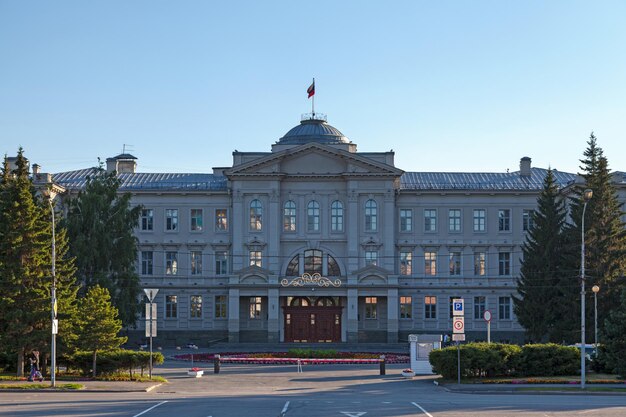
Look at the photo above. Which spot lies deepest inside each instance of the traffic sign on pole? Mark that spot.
(457, 307)
(151, 293)
(458, 337)
(458, 325)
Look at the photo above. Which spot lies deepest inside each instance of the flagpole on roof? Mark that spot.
(313, 101)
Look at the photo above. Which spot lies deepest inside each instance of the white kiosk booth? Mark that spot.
(421, 345)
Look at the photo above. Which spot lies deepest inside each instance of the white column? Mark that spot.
(353, 310)
(392, 315)
(273, 316)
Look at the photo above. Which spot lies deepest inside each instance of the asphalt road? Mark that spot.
(319, 391)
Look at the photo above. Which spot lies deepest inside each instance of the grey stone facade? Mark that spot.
(400, 244)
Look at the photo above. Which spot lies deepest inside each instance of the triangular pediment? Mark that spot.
(313, 159)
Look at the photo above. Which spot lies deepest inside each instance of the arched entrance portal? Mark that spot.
(312, 319)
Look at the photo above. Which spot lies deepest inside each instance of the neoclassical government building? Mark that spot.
(316, 242)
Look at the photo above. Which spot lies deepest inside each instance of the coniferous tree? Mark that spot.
(99, 324)
(613, 338)
(543, 267)
(100, 224)
(605, 235)
(25, 267)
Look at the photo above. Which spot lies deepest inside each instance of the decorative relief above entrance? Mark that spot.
(311, 280)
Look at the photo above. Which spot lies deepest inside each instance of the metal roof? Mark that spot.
(313, 130)
(76, 180)
(482, 181)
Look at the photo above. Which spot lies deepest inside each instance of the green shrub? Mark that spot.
(312, 353)
(548, 360)
(496, 359)
(112, 362)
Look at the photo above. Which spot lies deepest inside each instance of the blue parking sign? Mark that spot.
(457, 307)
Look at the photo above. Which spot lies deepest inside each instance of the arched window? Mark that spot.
(371, 216)
(256, 215)
(336, 216)
(300, 302)
(325, 302)
(313, 264)
(333, 267)
(289, 216)
(313, 216)
(293, 269)
(313, 261)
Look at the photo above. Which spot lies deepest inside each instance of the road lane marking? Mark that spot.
(353, 413)
(151, 408)
(420, 407)
(282, 413)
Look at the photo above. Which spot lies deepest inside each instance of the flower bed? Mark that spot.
(280, 358)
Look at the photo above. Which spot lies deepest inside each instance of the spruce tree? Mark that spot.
(605, 235)
(99, 324)
(543, 267)
(613, 338)
(100, 224)
(25, 266)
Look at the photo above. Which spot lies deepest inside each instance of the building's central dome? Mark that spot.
(313, 129)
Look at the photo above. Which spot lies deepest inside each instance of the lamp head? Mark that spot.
(587, 194)
(595, 289)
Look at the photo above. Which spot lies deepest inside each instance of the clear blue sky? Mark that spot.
(448, 85)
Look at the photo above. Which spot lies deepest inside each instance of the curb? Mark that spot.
(17, 390)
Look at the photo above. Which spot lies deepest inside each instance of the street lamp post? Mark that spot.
(50, 194)
(595, 290)
(587, 195)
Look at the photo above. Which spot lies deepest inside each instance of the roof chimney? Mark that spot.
(122, 163)
(36, 169)
(524, 167)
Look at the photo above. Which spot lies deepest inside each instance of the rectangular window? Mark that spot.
(455, 263)
(256, 258)
(147, 258)
(371, 257)
(171, 263)
(221, 306)
(504, 220)
(371, 308)
(336, 216)
(430, 220)
(479, 220)
(430, 307)
(195, 311)
(221, 263)
(371, 216)
(406, 263)
(171, 306)
(196, 220)
(430, 263)
(255, 308)
(528, 220)
(171, 219)
(480, 305)
(454, 220)
(406, 307)
(196, 262)
(221, 220)
(452, 298)
(313, 216)
(147, 219)
(406, 220)
(504, 308)
(480, 263)
(504, 263)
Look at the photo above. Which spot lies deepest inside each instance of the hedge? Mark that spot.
(497, 360)
(112, 361)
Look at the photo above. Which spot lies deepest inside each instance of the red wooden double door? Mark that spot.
(312, 324)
